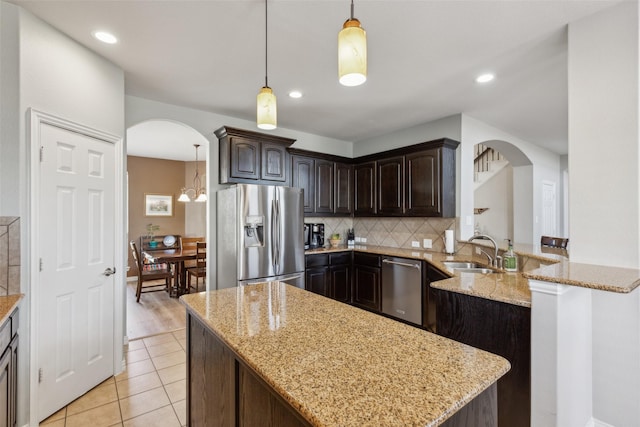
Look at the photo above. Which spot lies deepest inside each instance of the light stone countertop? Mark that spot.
(7, 305)
(342, 366)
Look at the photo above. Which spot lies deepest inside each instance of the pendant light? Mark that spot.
(266, 101)
(352, 52)
(199, 193)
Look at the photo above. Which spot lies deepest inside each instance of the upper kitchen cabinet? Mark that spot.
(252, 158)
(327, 182)
(418, 180)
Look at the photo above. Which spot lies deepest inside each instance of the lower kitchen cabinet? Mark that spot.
(366, 281)
(499, 328)
(329, 275)
(9, 370)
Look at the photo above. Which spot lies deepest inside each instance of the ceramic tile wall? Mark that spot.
(9, 255)
(392, 232)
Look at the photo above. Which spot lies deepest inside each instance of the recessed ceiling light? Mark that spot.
(105, 37)
(295, 94)
(485, 78)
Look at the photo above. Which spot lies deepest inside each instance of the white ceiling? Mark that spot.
(423, 58)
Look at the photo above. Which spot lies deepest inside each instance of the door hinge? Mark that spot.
(40, 266)
(41, 153)
(39, 375)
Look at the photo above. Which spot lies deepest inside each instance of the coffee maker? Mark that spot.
(313, 236)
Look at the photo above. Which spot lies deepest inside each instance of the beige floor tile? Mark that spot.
(93, 398)
(55, 417)
(180, 334)
(138, 384)
(134, 345)
(176, 391)
(110, 380)
(136, 355)
(158, 339)
(142, 403)
(102, 416)
(181, 411)
(173, 373)
(164, 348)
(163, 417)
(170, 359)
(136, 368)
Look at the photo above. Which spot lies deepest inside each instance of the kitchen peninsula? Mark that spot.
(274, 354)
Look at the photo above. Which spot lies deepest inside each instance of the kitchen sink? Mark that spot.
(468, 267)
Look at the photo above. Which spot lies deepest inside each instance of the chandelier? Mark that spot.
(199, 193)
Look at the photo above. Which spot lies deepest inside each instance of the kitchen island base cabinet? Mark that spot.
(223, 391)
(499, 328)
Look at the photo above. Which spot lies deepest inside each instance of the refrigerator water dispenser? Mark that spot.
(253, 231)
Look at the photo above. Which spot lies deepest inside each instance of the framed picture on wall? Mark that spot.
(158, 205)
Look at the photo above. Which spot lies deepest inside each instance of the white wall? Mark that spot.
(603, 138)
(447, 127)
(497, 195)
(45, 70)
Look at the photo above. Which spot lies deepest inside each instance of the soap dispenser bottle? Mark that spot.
(510, 259)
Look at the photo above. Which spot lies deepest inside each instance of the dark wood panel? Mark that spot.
(317, 281)
(340, 258)
(211, 378)
(390, 186)
(371, 260)
(245, 158)
(343, 189)
(499, 328)
(365, 189)
(303, 176)
(340, 278)
(259, 406)
(324, 186)
(480, 412)
(423, 183)
(366, 287)
(316, 260)
(274, 162)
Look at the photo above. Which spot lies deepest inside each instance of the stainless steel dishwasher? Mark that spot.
(402, 288)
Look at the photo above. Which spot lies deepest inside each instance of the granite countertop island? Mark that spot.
(337, 365)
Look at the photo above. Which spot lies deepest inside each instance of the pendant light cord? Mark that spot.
(351, 10)
(266, 47)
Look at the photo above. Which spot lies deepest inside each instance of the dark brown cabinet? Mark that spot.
(365, 189)
(390, 186)
(9, 371)
(329, 275)
(418, 180)
(252, 157)
(366, 281)
(326, 182)
(499, 328)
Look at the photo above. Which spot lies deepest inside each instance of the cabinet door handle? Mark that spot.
(404, 264)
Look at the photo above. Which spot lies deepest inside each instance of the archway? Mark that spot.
(510, 191)
(161, 161)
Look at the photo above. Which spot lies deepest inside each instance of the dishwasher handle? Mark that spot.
(404, 264)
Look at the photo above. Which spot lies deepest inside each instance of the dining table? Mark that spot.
(176, 258)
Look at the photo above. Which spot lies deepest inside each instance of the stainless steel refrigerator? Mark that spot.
(259, 235)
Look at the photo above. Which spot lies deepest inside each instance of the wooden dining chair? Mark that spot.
(157, 272)
(189, 243)
(200, 270)
(554, 242)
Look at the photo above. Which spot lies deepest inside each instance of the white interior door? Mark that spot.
(75, 301)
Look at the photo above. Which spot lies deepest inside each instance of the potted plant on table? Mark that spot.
(335, 240)
(151, 229)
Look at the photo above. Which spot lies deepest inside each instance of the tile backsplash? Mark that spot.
(392, 232)
(9, 255)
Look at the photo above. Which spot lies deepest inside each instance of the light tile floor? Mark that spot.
(150, 392)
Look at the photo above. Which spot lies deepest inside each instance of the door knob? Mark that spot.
(108, 272)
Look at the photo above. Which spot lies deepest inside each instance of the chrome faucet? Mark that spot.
(496, 260)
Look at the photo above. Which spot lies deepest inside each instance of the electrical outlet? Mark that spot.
(358, 239)
(415, 244)
(427, 243)
(363, 240)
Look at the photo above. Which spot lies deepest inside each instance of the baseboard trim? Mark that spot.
(594, 422)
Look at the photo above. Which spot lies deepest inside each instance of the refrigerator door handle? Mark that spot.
(277, 236)
(273, 233)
